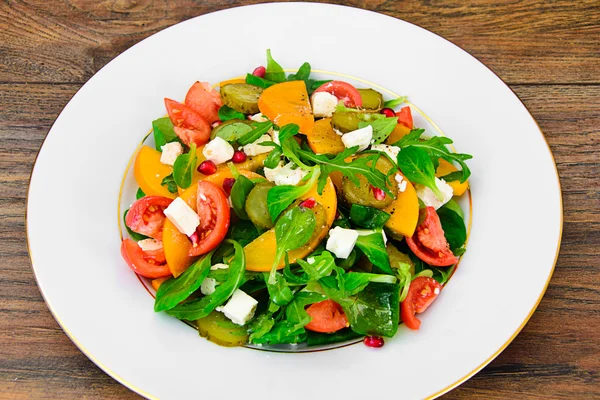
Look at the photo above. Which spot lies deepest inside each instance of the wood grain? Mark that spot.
(549, 53)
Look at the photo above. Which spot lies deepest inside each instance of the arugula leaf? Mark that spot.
(416, 165)
(363, 166)
(319, 266)
(274, 72)
(382, 128)
(226, 113)
(260, 128)
(368, 217)
(258, 81)
(273, 158)
(280, 197)
(175, 290)
(139, 194)
(169, 182)
(454, 227)
(436, 148)
(284, 332)
(374, 248)
(239, 192)
(295, 312)
(394, 102)
(163, 132)
(292, 230)
(200, 308)
(279, 291)
(184, 166)
(261, 326)
(134, 235)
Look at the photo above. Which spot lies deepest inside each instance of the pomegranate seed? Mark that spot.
(194, 238)
(207, 167)
(238, 157)
(216, 123)
(309, 203)
(379, 194)
(259, 71)
(373, 341)
(227, 185)
(388, 112)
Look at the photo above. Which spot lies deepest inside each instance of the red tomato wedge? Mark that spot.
(146, 216)
(421, 293)
(190, 126)
(327, 317)
(343, 91)
(429, 243)
(214, 213)
(204, 100)
(405, 117)
(144, 263)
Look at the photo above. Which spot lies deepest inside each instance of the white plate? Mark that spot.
(72, 210)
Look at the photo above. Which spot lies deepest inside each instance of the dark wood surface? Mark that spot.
(547, 51)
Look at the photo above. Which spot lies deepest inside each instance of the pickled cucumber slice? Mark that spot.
(363, 194)
(256, 206)
(231, 130)
(241, 97)
(348, 121)
(218, 329)
(371, 99)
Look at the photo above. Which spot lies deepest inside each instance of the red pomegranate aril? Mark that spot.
(207, 167)
(259, 71)
(216, 123)
(308, 203)
(379, 194)
(227, 185)
(239, 157)
(388, 112)
(194, 238)
(373, 341)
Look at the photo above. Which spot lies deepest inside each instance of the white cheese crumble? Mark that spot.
(240, 308)
(258, 118)
(150, 244)
(341, 241)
(285, 174)
(208, 286)
(182, 216)
(429, 198)
(254, 149)
(219, 266)
(391, 151)
(323, 104)
(218, 150)
(360, 137)
(170, 152)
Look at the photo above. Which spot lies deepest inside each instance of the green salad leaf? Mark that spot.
(373, 246)
(240, 190)
(313, 85)
(302, 74)
(418, 167)
(200, 308)
(227, 113)
(184, 166)
(259, 129)
(169, 182)
(280, 197)
(284, 332)
(382, 128)
(274, 157)
(453, 226)
(261, 326)
(295, 312)
(175, 290)
(233, 131)
(134, 235)
(139, 194)
(163, 132)
(274, 72)
(394, 102)
(279, 291)
(258, 81)
(243, 232)
(375, 310)
(368, 217)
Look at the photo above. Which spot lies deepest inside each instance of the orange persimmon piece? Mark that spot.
(149, 172)
(398, 133)
(323, 139)
(446, 168)
(158, 281)
(288, 103)
(404, 211)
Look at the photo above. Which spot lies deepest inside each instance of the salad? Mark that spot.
(280, 209)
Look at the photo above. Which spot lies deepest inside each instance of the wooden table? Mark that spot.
(547, 51)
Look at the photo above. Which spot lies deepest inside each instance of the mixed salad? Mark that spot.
(280, 209)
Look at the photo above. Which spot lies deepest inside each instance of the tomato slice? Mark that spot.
(214, 213)
(205, 100)
(343, 91)
(405, 117)
(146, 216)
(429, 243)
(327, 317)
(421, 293)
(144, 263)
(190, 126)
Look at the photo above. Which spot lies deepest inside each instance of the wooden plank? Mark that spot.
(529, 41)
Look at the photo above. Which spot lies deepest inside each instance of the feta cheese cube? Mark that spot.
(170, 152)
(323, 104)
(240, 308)
(429, 198)
(219, 266)
(401, 183)
(285, 174)
(218, 150)
(258, 118)
(360, 137)
(208, 286)
(254, 149)
(150, 244)
(341, 241)
(275, 137)
(391, 151)
(182, 216)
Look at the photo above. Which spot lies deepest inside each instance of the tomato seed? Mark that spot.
(227, 185)
(388, 112)
(379, 194)
(259, 71)
(238, 157)
(207, 167)
(309, 203)
(373, 341)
